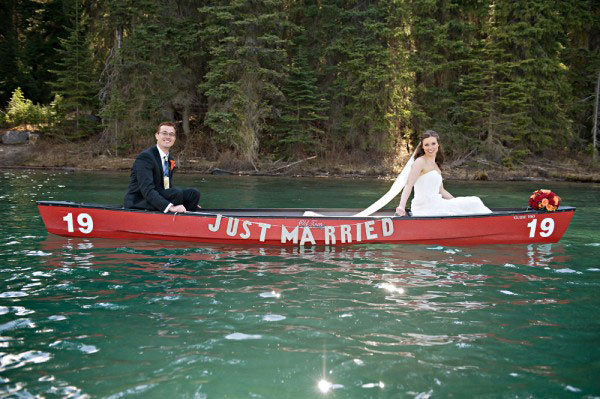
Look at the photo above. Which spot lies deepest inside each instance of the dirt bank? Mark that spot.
(44, 155)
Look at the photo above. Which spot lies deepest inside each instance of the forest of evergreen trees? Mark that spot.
(292, 78)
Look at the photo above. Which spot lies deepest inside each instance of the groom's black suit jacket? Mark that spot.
(146, 188)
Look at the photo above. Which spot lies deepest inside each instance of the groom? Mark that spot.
(150, 183)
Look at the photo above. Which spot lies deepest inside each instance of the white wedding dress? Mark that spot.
(429, 202)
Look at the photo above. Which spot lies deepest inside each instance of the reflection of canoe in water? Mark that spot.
(377, 260)
(292, 227)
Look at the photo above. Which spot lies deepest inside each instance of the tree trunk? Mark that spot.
(185, 120)
(595, 126)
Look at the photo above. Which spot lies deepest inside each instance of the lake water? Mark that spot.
(82, 318)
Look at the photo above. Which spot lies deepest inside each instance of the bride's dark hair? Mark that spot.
(439, 157)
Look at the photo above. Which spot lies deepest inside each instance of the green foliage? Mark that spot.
(29, 38)
(515, 158)
(22, 111)
(581, 57)
(301, 122)
(362, 74)
(153, 67)
(442, 40)
(492, 70)
(533, 89)
(500, 78)
(76, 79)
(242, 82)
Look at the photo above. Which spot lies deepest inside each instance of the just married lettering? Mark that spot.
(302, 234)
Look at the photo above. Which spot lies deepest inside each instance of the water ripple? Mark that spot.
(414, 339)
(17, 324)
(132, 391)
(242, 337)
(273, 317)
(119, 319)
(10, 361)
(36, 253)
(88, 349)
(13, 294)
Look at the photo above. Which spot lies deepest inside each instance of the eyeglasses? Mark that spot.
(170, 134)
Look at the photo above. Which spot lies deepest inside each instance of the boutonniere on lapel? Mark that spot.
(171, 164)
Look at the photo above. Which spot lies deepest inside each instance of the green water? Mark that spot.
(84, 318)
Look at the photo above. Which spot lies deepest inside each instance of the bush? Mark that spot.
(21, 111)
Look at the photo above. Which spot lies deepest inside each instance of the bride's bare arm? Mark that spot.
(445, 194)
(414, 174)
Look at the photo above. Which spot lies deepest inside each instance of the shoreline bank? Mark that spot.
(34, 157)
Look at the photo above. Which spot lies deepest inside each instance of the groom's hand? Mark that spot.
(177, 209)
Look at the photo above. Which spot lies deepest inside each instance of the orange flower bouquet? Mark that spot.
(172, 164)
(544, 200)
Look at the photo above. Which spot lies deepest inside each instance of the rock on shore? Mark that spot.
(18, 137)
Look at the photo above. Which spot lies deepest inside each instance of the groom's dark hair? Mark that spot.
(439, 157)
(170, 124)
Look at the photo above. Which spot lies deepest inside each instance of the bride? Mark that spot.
(431, 199)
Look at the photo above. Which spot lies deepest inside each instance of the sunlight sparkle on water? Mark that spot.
(324, 386)
(379, 384)
(271, 294)
(391, 288)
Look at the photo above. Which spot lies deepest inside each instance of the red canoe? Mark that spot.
(288, 227)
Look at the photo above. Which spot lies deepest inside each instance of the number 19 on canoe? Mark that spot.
(546, 227)
(84, 222)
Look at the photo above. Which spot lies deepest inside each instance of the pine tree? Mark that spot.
(154, 65)
(18, 109)
(294, 76)
(299, 129)
(514, 94)
(9, 50)
(245, 70)
(360, 74)
(76, 80)
(136, 69)
(442, 36)
(581, 56)
(29, 36)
